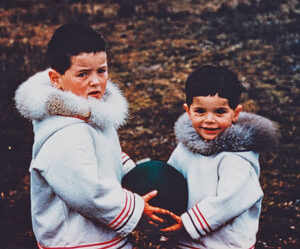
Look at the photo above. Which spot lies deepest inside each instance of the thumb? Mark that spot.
(147, 197)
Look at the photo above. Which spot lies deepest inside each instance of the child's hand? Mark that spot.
(175, 228)
(150, 211)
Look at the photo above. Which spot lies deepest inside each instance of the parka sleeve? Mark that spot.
(238, 190)
(72, 172)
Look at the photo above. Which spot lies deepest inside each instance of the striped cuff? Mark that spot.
(128, 164)
(181, 245)
(114, 243)
(195, 223)
(131, 213)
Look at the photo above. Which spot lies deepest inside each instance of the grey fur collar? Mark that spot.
(251, 132)
(36, 99)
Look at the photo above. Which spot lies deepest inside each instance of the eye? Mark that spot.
(102, 70)
(200, 110)
(220, 111)
(82, 74)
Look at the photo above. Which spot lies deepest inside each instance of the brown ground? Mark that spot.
(153, 46)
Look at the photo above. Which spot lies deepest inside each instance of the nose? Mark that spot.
(95, 79)
(209, 118)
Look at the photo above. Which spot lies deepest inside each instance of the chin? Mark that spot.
(208, 137)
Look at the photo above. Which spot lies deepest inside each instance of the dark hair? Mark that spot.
(210, 80)
(71, 40)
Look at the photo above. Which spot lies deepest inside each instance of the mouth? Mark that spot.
(210, 130)
(95, 94)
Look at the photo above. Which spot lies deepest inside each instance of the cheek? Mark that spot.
(196, 122)
(225, 124)
(104, 82)
(79, 86)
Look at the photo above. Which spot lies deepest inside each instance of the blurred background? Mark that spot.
(153, 46)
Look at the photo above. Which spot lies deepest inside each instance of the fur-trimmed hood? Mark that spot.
(250, 132)
(37, 99)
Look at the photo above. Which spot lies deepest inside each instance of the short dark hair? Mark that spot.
(71, 40)
(210, 80)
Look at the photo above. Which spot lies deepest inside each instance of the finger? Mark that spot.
(147, 197)
(160, 210)
(156, 218)
(152, 223)
(175, 217)
(172, 228)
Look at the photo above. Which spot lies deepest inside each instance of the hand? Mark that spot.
(150, 211)
(175, 228)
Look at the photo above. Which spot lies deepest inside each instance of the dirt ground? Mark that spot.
(153, 46)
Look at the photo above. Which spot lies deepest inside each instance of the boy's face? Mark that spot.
(211, 115)
(87, 76)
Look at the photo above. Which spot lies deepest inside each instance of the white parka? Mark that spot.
(225, 195)
(76, 197)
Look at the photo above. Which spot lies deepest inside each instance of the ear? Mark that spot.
(187, 109)
(55, 78)
(236, 114)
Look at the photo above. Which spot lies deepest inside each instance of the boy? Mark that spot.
(76, 197)
(217, 153)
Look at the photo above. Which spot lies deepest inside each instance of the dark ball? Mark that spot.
(157, 175)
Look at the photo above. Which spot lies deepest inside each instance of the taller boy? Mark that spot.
(218, 155)
(76, 169)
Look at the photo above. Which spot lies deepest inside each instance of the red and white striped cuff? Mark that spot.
(128, 164)
(124, 216)
(199, 220)
(181, 245)
(195, 223)
(117, 242)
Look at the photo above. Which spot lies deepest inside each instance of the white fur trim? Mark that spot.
(251, 132)
(36, 99)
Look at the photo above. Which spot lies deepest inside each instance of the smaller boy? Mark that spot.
(217, 153)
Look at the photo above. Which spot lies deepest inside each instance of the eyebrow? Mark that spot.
(88, 69)
(215, 109)
(83, 70)
(221, 107)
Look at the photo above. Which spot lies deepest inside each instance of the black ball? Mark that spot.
(157, 175)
